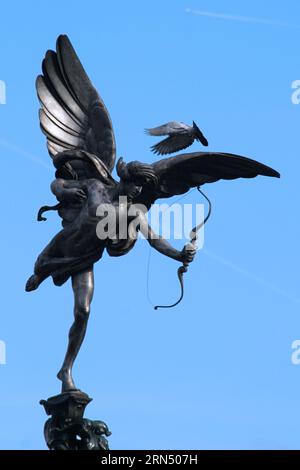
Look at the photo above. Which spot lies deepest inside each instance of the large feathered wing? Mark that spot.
(72, 114)
(178, 174)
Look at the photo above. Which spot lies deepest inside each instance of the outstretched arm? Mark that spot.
(67, 190)
(160, 244)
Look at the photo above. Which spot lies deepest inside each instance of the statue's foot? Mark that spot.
(33, 283)
(65, 377)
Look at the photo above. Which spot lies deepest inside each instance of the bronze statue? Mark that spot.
(81, 143)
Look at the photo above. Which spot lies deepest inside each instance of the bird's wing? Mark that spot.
(180, 173)
(72, 114)
(173, 144)
(168, 129)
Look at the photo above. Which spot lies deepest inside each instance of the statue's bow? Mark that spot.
(193, 240)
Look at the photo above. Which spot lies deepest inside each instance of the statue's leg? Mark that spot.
(83, 288)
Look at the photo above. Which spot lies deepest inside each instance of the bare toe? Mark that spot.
(32, 283)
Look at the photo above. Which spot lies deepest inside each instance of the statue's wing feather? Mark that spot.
(55, 148)
(46, 116)
(58, 132)
(180, 173)
(53, 107)
(73, 115)
(173, 144)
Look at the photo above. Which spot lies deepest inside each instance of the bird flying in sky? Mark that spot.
(180, 136)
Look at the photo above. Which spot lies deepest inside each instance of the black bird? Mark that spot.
(180, 136)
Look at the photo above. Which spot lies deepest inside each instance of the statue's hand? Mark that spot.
(73, 195)
(188, 253)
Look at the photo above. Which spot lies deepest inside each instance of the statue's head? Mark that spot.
(135, 176)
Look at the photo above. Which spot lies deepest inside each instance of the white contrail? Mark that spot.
(24, 153)
(251, 276)
(247, 19)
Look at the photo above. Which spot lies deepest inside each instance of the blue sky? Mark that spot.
(216, 372)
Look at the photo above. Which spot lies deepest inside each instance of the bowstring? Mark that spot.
(150, 248)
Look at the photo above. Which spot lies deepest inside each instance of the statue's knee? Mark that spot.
(82, 312)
